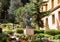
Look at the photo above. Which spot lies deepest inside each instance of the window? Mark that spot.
(52, 3)
(46, 21)
(59, 15)
(46, 7)
(53, 19)
(47, 26)
(41, 9)
(58, 1)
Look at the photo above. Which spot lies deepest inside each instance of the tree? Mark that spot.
(14, 4)
(7, 8)
(4, 8)
(32, 9)
(40, 15)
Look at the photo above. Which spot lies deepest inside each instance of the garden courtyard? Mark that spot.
(29, 21)
(8, 34)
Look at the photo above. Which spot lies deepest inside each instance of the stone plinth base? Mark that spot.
(29, 31)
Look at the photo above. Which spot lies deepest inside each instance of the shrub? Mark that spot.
(39, 35)
(0, 30)
(38, 31)
(57, 36)
(4, 25)
(47, 36)
(19, 31)
(42, 35)
(3, 37)
(8, 32)
(37, 40)
(58, 32)
(52, 32)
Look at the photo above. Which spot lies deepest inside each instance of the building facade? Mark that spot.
(53, 20)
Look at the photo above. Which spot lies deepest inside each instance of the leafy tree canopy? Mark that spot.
(33, 9)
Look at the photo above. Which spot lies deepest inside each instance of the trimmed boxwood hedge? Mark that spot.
(35, 31)
(49, 32)
(52, 32)
(20, 31)
(57, 36)
(38, 31)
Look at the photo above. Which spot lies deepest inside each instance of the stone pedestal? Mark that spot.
(29, 31)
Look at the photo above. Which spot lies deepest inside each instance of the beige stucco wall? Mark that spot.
(49, 4)
(51, 25)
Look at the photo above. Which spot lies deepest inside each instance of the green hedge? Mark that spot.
(35, 31)
(38, 31)
(49, 32)
(57, 36)
(37, 40)
(41, 35)
(52, 32)
(20, 31)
